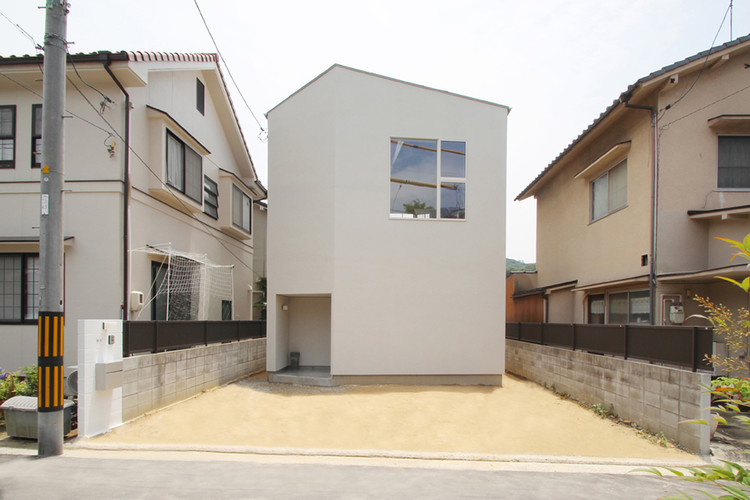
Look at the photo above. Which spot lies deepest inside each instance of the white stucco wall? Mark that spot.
(409, 297)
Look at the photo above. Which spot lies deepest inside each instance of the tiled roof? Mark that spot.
(624, 98)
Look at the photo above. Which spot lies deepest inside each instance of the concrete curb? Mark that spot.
(86, 444)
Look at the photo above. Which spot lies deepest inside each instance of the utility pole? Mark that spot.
(51, 317)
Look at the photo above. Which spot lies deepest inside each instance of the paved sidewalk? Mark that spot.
(141, 475)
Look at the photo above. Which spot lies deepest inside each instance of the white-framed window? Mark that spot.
(184, 168)
(734, 162)
(210, 198)
(241, 209)
(19, 288)
(609, 191)
(418, 168)
(7, 136)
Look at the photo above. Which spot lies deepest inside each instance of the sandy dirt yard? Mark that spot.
(521, 418)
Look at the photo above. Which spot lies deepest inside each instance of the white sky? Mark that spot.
(558, 64)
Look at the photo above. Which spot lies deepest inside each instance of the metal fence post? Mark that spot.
(625, 341)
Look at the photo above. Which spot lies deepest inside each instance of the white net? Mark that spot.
(189, 286)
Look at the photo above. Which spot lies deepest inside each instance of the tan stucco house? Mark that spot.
(628, 213)
(374, 272)
(158, 179)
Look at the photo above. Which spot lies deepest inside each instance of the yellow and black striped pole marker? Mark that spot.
(50, 363)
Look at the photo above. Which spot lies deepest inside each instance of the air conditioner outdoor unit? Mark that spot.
(136, 301)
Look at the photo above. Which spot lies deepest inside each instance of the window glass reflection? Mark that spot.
(453, 159)
(413, 178)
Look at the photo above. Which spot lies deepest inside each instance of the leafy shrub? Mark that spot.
(732, 388)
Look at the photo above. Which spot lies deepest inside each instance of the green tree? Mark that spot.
(417, 207)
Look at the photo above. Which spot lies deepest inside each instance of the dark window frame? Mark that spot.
(24, 290)
(185, 149)
(209, 207)
(36, 156)
(10, 163)
(719, 167)
(200, 97)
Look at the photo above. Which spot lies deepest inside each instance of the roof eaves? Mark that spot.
(624, 97)
(348, 68)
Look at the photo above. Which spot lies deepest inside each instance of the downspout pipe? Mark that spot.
(106, 62)
(625, 98)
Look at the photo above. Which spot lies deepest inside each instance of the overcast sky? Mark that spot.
(557, 64)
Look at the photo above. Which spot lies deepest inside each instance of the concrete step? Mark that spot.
(287, 378)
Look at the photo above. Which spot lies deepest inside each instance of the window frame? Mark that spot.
(237, 190)
(628, 294)
(200, 96)
(718, 166)
(610, 209)
(207, 193)
(185, 151)
(12, 137)
(25, 297)
(440, 180)
(36, 134)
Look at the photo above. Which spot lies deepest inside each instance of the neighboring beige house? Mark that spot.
(173, 184)
(627, 215)
(374, 273)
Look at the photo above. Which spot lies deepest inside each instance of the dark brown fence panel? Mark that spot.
(173, 335)
(685, 347)
(221, 331)
(158, 336)
(558, 334)
(704, 345)
(673, 346)
(601, 339)
(530, 332)
(512, 330)
(139, 337)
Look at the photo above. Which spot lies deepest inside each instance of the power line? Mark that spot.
(167, 186)
(114, 132)
(20, 84)
(705, 61)
(25, 33)
(229, 71)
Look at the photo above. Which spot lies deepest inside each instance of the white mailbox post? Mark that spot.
(100, 376)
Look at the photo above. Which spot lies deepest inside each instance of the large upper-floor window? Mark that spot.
(19, 288)
(7, 136)
(428, 179)
(36, 135)
(184, 168)
(734, 161)
(609, 191)
(241, 209)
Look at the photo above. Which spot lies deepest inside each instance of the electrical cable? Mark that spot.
(167, 186)
(703, 67)
(20, 84)
(106, 100)
(229, 71)
(25, 33)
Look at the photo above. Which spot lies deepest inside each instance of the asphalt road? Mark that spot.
(126, 475)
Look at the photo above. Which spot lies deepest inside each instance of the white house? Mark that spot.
(157, 174)
(374, 271)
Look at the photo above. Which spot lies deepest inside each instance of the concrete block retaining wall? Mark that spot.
(153, 381)
(655, 397)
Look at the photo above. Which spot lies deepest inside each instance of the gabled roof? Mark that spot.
(626, 96)
(384, 78)
(146, 56)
